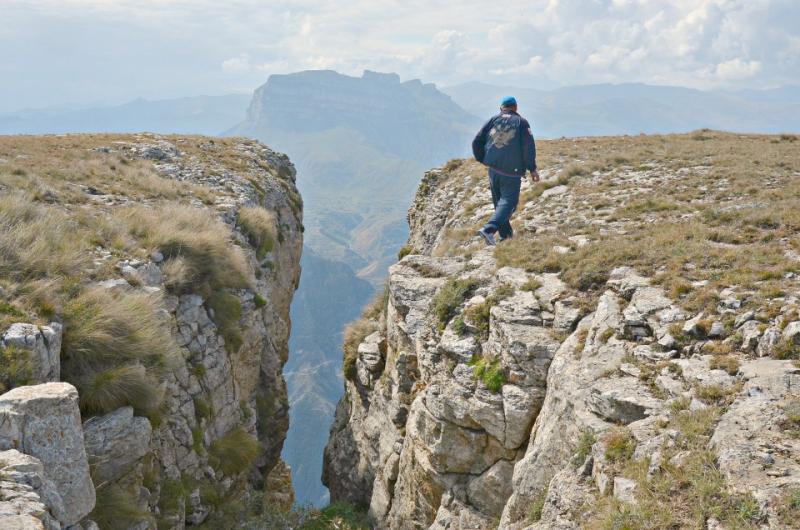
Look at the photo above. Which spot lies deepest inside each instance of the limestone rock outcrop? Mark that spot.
(505, 397)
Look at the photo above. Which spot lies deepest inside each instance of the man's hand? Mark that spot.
(535, 176)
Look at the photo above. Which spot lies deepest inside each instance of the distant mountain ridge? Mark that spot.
(208, 115)
(633, 108)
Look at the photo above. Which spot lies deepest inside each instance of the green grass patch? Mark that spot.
(489, 372)
(537, 506)
(449, 297)
(227, 309)
(16, 367)
(620, 445)
(259, 301)
(584, 449)
(480, 314)
(787, 506)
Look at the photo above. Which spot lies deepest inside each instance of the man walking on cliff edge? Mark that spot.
(505, 144)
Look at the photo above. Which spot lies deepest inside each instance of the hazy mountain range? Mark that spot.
(604, 110)
(314, 371)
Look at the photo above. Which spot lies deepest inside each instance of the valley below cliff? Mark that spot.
(628, 360)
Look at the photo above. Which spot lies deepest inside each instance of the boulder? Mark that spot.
(115, 442)
(622, 400)
(43, 421)
(490, 491)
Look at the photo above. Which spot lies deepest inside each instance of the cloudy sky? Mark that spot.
(85, 52)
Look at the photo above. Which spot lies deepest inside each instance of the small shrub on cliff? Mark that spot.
(258, 226)
(584, 448)
(115, 508)
(354, 334)
(537, 506)
(234, 452)
(451, 295)
(16, 367)
(259, 301)
(479, 314)
(227, 309)
(340, 515)
(620, 445)
(405, 251)
(489, 372)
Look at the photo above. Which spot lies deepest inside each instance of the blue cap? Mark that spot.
(509, 100)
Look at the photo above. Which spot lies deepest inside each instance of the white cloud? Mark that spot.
(737, 69)
(237, 65)
(55, 50)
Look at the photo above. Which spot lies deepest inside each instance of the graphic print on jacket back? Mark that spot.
(502, 133)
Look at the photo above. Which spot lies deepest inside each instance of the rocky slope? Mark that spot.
(155, 275)
(626, 361)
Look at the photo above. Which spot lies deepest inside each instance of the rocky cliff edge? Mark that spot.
(154, 275)
(628, 360)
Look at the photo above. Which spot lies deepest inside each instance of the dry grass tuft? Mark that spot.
(258, 226)
(354, 334)
(208, 262)
(234, 452)
(115, 350)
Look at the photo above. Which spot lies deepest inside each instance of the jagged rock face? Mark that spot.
(27, 495)
(221, 383)
(425, 425)
(513, 400)
(214, 389)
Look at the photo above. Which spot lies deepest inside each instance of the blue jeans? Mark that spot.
(505, 196)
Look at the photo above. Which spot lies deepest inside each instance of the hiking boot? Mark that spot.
(487, 236)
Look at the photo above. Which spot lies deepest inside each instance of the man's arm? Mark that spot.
(479, 143)
(529, 150)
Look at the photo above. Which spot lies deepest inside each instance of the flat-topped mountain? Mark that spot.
(360, 145)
